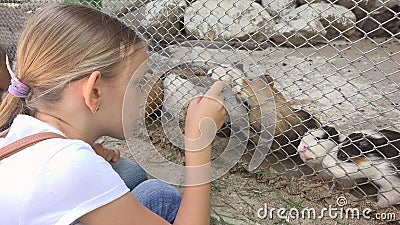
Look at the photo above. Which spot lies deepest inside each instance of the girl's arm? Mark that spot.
(205, 116)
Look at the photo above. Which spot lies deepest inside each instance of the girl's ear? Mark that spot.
(92, 92)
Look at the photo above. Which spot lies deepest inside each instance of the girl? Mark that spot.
(74, 67)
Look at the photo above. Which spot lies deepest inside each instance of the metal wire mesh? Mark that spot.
(321, 63)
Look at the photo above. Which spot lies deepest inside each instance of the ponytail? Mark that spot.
(10, 107)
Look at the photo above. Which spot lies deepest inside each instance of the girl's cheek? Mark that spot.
(134, 106)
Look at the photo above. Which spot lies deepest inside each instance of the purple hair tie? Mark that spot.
(17, 88)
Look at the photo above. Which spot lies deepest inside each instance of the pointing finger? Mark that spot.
(216, 89)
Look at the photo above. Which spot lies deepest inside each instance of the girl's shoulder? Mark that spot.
(45, 151)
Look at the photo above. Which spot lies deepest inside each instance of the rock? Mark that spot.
(383, 24)
(116, 7)
(280, 8)
(334, 18)
(112, 7)
(298, 32)
(160, 16)
(388, 3)
(361, 8)
(302, 2)
(226, 20)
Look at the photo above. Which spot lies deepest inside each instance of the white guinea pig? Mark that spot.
(371, 154)
(316, 143)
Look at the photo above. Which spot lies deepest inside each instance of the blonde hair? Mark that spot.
(62, 43)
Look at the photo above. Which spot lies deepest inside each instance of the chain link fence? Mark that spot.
(325, 71)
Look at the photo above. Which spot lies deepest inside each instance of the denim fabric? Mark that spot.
(161, 198)
(158, 196)
(130, 172)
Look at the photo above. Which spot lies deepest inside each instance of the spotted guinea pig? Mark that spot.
(371, 154)
(316, 143)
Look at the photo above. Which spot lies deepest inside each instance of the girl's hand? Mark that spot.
(205, 116)
(110, 155)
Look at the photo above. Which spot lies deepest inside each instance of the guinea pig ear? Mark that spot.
(343, 156)
(332, 132)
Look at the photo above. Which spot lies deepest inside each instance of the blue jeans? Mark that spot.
(158, 196)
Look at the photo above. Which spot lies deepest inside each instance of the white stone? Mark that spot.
(361, 7)
(226, 19)
(161, 16)
(388, 3)
(114, 7)
(278, 7)
(298, 32)
(368, 5)
(333, 17)
(302, 2)
(177, 93)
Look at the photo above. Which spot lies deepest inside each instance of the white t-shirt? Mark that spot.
(55, 181)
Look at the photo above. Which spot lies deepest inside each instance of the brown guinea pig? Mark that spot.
(154, 92)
